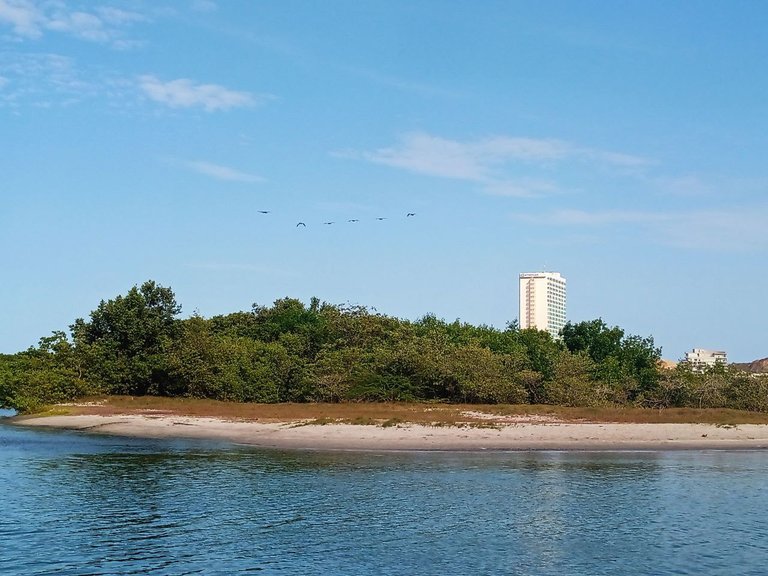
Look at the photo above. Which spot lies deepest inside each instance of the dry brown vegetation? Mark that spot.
(383, 414)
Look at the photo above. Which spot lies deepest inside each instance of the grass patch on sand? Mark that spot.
(56, 410)
(394, 413)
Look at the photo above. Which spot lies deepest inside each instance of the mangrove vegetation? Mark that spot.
(136, 344)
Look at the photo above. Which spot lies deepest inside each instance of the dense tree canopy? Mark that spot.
(136, 344)
(125, 340)
(629, 362)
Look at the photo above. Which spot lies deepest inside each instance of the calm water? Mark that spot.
(76, 504)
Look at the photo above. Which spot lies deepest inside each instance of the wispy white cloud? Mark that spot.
(45, 79)
(685, 185)
(710, 186)
(204, 6)
(183, 93)
(487, 161)
(23, 16)
(222, 172)
(616, 159)
(117, 16)
(732, 229)
(433, 156)
(522, 188)
(42, 80)
(740, 229)
(596, 218)
(401, 84)
(242, 267)
(81, 24)
(29, 19)
(436, 156)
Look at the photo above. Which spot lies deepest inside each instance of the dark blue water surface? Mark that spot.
(77, 504)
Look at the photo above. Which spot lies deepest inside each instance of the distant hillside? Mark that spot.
(756, 367)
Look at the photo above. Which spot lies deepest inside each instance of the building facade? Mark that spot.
(701, 359)
(542, 301)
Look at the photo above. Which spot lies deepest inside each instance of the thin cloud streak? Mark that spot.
(721, 230)
(30, 20)
(204, 6)
(436, 156)
(43, 80)
(225, 173)
(241, 267)
(184, 93)
(522, 188)
(737, 231)
(600, 218)
(486, 161)
(401, 84)
(23, 16)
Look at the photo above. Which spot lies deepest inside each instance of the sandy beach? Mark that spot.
(522, 433)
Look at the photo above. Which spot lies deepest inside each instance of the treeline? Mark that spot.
(291, 352)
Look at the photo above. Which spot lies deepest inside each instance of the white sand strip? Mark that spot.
(524, 436)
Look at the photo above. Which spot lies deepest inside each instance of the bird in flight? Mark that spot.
(263, 211)
(410, 214)
(381, 218)
(301, 224)
(353, 220)
(328, 223)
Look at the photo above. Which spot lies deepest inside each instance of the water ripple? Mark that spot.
(81, 505)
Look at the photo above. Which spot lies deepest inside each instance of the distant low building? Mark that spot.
(701, 359)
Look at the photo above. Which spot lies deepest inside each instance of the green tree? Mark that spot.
(746, 392)
(482, 376)
(627, 364)
(46, 374)
(542, 351)
(224, 366)
(573, 382)
(336, 371)
(123, 343)
(593, 337)
(640, 359)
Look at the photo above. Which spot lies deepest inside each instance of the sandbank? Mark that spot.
(523, 434)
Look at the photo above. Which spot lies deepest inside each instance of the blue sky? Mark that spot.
(622, 144)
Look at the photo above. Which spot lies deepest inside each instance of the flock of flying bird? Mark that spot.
(351, 220)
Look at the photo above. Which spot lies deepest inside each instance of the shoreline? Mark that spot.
(520, 436)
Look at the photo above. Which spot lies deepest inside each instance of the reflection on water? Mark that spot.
(74, 504)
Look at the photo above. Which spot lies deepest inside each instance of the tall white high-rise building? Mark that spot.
(542, 301)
